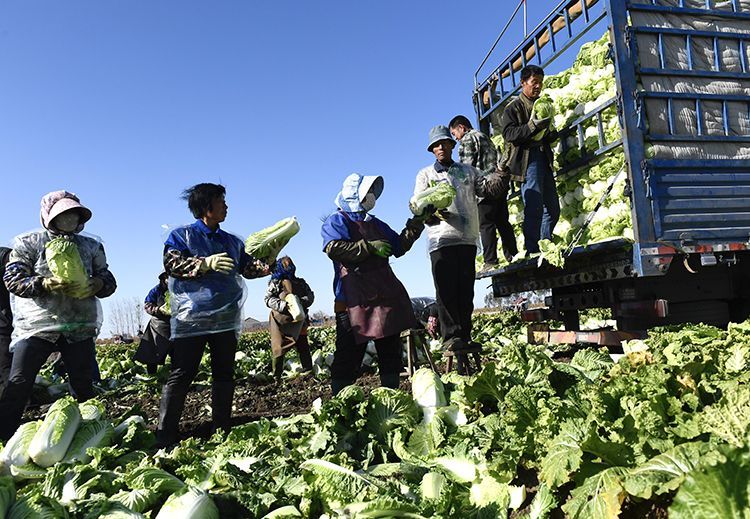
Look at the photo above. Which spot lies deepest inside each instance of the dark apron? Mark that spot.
(285, 332)
(377, 303)
(155, 344)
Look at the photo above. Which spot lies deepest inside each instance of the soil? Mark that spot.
(252, 400)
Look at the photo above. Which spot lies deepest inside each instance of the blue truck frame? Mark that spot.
(689, 260)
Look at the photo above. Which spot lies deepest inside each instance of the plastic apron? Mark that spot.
(377, 303)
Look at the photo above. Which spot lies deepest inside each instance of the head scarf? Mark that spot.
(284, 269)
(355, 189)
(56, 203)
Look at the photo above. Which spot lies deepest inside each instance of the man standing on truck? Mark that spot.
(530, 161)
(452, 236)
(476, 149)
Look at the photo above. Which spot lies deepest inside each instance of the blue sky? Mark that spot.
(128, 103)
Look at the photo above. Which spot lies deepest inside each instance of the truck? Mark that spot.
(682, 76)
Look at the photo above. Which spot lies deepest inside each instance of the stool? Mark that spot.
(414, 341)
(468, 361)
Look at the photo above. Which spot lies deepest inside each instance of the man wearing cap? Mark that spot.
(452, 236)
(476, 149)
(370, 302)
(53, 314)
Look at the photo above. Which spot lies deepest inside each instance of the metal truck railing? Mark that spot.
(681, 202)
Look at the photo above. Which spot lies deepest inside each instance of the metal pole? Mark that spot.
(487, 56)
(525, 26)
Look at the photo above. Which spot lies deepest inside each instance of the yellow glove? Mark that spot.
(57, 285)
(294, 307)
(89, 289)
(221, 262)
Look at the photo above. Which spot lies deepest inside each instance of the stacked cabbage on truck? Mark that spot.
(652, 161)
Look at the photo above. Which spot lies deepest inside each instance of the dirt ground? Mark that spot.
(252, 401)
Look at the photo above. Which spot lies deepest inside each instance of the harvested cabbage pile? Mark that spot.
(266, 244)
(588, 84)
(440, 196)
(64, 260)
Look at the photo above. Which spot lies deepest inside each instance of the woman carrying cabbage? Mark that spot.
(370, 302)
(55, 277)
(206, 265)
(288, 296)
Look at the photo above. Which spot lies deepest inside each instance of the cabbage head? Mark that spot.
(53, 437)
(94, 433)
(64, 260)
(427, 388)
(16, 451)
(266, 244)
(193, 503)
(544, 107)
(440, 196)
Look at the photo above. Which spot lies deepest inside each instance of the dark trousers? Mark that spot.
(541, 206)
(493, 219)
(305, 358)
(347, 359)
(28, 357)
(453, 273)
(6, 359)
(186, 359)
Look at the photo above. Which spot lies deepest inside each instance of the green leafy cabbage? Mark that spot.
(64, 260)
(440, 196)
(54, 435)
(266, 244)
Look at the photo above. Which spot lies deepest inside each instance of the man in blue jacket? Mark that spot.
(206, 265)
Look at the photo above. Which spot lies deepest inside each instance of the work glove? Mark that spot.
(540, 124)
(221, 262)
(428, 211)
(55, 285)
(88, 289)
(381, 248)
(294, 307)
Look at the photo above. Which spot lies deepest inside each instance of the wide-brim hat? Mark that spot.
(371, 184)
(439, 133)
(355, 189)
(57, 202)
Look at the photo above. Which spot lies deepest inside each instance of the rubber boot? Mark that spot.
(391, 380)
(337, 384)
(303, 349)
(277, 365)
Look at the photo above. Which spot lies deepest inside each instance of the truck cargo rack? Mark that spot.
(540, 333)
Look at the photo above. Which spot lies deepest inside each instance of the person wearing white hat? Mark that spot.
(452, 236)
(53, 313)
(370, 302)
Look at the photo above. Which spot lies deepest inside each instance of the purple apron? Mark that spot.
(377, 303)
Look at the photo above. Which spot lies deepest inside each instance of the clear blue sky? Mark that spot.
(128, 103)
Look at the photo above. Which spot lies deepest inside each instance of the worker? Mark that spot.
(370, 303)
(530, 161)
(289, 297)
(6, 322)
(53, 313)
(476, 149)
(155, 344)
(452, 236)
(206, 297)
(425, 310)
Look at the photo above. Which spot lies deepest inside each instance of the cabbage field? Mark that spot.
(538, 433)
